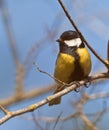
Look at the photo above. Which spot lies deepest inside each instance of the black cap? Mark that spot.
(68, 35)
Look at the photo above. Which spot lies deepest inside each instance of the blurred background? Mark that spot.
(28, 33)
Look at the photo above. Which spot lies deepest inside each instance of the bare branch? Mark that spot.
(36, 122)
(99, 95)
(87, 122)
(100, 114)
(57, 120)
(59, 81)
(12, 43)
(4, 110)
(13, 47)
(27, 95)
(49, 98)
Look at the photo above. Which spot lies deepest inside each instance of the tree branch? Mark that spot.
(12, 43)
(49, 98)
(87, 122)
(26, 95)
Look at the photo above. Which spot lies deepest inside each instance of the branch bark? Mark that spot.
(37, 105)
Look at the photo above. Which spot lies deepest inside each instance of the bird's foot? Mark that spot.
(77, 88)
(88, 82)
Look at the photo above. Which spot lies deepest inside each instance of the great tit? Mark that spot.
(73, 61)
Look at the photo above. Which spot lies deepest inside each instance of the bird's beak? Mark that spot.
(59, 40)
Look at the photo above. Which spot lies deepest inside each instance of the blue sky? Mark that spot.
(29, 20)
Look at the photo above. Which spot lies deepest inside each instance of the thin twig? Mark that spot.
(87, 122)
(36, 121)
(11, 39)
(27, 95)
(13, 47)
(97, 95)
(66, 118)
(53, 119)
(57, 120)
(101, 113)
(44, 72)
(4, 110)
(82, 37)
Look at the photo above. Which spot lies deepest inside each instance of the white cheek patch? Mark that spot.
(74, 42)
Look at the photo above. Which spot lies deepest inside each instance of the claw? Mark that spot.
(77, 89)
(87, 84)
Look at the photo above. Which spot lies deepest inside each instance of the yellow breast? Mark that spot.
(85, 60)
(64, 67)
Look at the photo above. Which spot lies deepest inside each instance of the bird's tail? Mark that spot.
(56, 101)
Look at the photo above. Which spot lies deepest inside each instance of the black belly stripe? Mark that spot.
(78, 73)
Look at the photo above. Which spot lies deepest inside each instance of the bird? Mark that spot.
(73, 62)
